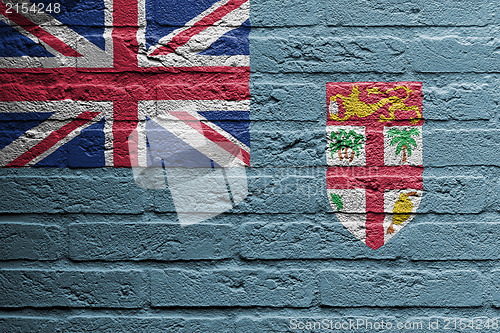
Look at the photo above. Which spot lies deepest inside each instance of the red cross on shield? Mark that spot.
(374, 156)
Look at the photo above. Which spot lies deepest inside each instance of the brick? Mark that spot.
(293, 148)
(34, 86)
(452, 241)
(495, 201)
(414, 13)
(21, 324)
(273, 101)
(231, 287)
(297, 54)
(278, 194)
(127, 50)
(401, 288)
(495, 282)
(49, 288)
(221, 85)
(170, 13)
(31, 241)
(419, 241)
(481, 147)
(117, 324)
(304, 240)
(302, 190)
(231, 83)
(452, 54)
(157, 241)
(459, 194)
(287, 13)
(459, 101)
(42, 194)
(462, 190)
(297, 46)
(268, 324)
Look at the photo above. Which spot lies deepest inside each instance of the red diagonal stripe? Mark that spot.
(183, 37)
(38, 32)
(53, 138)
(213, 136)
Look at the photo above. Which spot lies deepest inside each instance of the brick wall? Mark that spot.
(86, 250)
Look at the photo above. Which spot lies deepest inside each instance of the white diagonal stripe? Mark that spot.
(142, 22)
(30, 139)
(218, 129)
(65, 112)
(27, 34)
(93, 56)
(207, 37)
(64, 140)
(164, 107)
(198, 141)
(188, 25)
(187, 54)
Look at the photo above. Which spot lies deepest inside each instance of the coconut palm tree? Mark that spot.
(403, 140)
(342, 140)
(337, 143)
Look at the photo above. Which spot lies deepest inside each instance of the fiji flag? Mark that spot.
(123, 83)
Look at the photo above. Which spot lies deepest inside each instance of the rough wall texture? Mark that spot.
(86, 250)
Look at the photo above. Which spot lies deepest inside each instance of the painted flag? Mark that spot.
(81, 78)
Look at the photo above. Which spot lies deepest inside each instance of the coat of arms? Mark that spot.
(374, 156)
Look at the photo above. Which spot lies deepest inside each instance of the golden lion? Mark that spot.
(355, 107)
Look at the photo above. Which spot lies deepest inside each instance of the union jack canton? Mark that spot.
(78, 79)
